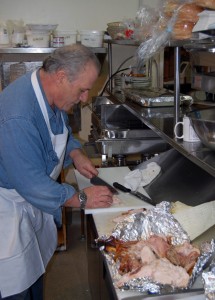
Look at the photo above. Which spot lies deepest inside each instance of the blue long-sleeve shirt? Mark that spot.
(27, 157)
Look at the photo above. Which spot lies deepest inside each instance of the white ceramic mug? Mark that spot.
(189, 134)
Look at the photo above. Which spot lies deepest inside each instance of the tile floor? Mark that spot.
(66, 277)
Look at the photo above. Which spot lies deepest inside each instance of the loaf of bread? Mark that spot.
(189, 12)
(182, 30)
(187, 15)
(186, 12)
(206, 3)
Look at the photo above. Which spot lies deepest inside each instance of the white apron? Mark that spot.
(28, 236)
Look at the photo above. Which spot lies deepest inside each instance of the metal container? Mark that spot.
(119, 132)
(203, 122)
(204, 82)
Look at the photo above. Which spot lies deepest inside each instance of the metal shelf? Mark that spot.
(27, 50)
(161, 120)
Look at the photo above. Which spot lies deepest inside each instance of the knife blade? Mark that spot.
(98, 181)
(136, 194)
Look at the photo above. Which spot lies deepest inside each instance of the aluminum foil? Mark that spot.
(209, 282)
(158, 221)
(155, 97)
(141, 225)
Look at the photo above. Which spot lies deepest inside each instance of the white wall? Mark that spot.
(69, 14)
(152, 3)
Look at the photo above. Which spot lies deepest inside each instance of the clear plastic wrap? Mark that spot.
(176, 21)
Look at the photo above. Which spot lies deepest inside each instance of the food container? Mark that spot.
(38, 39)
(58, 41)
(91, 38)
(17, 38)
(38, 35)
(4, 36)
(116, 30)
(70, 36)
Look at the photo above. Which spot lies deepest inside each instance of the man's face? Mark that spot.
(78, 90)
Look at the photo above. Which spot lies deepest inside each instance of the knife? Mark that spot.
(98, 181)
(136, 194)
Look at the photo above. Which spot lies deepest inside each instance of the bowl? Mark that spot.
(116, 30)
(203, 122)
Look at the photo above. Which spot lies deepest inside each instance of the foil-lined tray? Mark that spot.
(155, 97)
(159, 221)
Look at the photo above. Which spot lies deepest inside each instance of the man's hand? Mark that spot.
(83, 164)
(97, 197)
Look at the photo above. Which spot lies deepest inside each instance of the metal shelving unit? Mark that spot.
(163, 119)
(32, 57)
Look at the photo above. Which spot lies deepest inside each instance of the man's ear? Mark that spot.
(61, 76)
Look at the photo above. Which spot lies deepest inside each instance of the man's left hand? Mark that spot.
(83, 164)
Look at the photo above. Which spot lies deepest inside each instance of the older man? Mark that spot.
(35, 143)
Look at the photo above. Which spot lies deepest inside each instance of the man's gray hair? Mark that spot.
(71, 59)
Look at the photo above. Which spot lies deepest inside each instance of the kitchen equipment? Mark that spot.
(98, 181)
(116, 131)
(127, 201)
(203, 122)
(134, 193)
(180, 180)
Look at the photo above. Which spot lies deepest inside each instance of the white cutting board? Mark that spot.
(110, 175)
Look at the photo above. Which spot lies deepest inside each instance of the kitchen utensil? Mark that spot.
(203, 122)
(127, 201)
(98, 181)
(136, 194)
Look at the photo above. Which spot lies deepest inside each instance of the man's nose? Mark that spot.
(84, 96)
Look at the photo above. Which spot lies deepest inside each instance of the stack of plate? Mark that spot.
(140, 82)
(118, 82)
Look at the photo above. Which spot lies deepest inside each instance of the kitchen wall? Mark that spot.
(79, 15)
(69, 14)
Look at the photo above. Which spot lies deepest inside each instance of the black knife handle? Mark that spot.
(121, 187)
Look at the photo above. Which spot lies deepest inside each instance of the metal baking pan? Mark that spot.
(155, 97)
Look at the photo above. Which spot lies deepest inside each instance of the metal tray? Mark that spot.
(155, 97)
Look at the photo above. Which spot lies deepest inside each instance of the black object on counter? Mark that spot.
(98, 181)
(136, 194)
